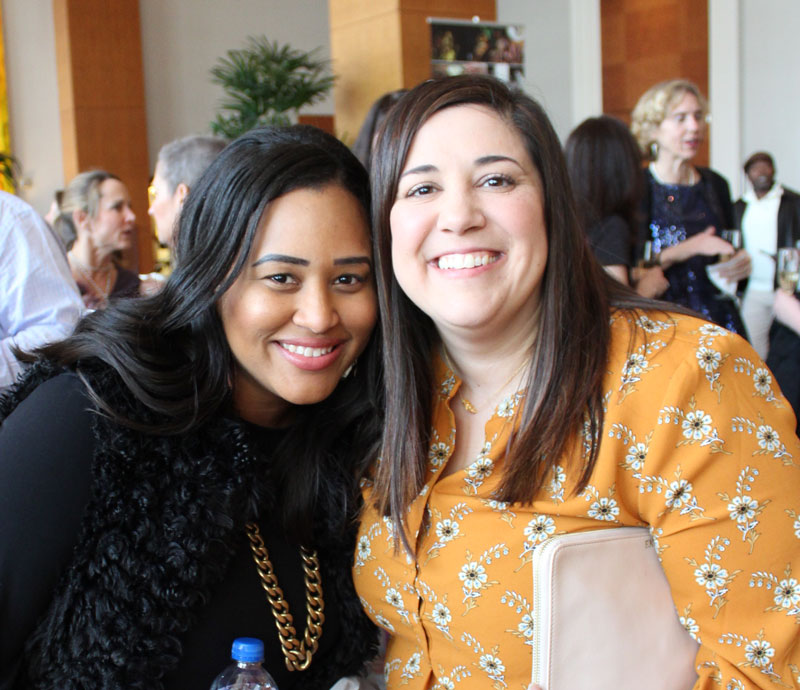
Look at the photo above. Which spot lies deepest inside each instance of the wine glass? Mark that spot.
(649, 255)
(734, 238)
(788, 268)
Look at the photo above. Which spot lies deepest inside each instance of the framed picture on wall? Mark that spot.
(462, 47)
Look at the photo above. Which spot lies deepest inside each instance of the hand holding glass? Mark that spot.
(734, 238)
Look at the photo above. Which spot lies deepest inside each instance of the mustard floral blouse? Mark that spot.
(698, 445)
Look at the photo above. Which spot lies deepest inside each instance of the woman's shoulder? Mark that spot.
(716, 180)
(677, 335)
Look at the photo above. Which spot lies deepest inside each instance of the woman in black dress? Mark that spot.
(685, 207)
(155, 463)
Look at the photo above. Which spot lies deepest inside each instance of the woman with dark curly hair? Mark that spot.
(181, 453)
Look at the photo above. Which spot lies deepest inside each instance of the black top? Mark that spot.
(45, 479)
(611, 241)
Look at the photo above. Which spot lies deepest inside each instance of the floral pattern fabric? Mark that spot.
(698, 445)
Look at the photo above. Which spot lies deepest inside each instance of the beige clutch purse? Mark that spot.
(604, 616)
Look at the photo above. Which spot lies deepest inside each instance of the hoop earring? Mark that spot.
(351, 369)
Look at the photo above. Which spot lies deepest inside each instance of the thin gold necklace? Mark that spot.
(297, 654)
(468, 406)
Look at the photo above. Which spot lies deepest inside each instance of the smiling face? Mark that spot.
(761, 175)
(681, 132)
(303, 307)
(112, 227)
(469, 242)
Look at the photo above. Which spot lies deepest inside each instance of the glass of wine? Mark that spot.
(649, 255)
(734, 238)
(788, 268)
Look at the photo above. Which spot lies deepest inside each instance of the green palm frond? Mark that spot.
(264, 83)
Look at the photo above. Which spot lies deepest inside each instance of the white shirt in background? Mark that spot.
(39, 302)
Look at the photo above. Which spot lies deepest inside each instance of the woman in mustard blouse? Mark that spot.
(528, 396)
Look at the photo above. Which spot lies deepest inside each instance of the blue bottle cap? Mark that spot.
(247, 650)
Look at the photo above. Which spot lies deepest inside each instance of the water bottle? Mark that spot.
(246, 673)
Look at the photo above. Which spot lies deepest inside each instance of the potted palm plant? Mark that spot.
(265, 83)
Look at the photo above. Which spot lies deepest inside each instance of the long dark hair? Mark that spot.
(605, 168)
(569, 357)
(170, 349)
(362, 146)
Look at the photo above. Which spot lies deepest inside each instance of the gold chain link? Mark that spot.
(297, 655)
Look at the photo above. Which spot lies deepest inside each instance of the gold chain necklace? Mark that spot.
(468, 406)
(297, 654)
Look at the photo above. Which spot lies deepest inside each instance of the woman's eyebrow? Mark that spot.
(281, 258)
(287, 259)
(352, 260)
(425, 168)
(497, 158)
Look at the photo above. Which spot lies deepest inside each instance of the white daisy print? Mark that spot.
(787, 593)
(447, 529)
(742, 508)
(712, 330)
(696, 425)
(538, 529)
(636, 456)
(441, 615)
(691, 625)
(635, 364)
(412, 665)
(711, 575)
(473, 575)
(759, 653)
(492, 665)
(708, 359)
(506, 406)
(526, 626)
(768, 438)
(679, 491)
(364, 548)
(481, 468)
(762, 380)
(438, 453)
(394, 598)
(604, 509)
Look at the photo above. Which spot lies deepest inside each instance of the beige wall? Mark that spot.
(754, 63)
(28, 35)
(182, 39)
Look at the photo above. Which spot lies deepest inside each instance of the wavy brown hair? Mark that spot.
(568, 360)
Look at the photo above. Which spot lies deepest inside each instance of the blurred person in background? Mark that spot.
(180, 164)
(685, 206)
(768, 215)
(605, 168)
(39, 302)
(96, 208)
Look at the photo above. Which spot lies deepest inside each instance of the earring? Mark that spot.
(350, 369)
(653, 150)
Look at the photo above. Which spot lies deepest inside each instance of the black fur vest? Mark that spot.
(164, 511)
